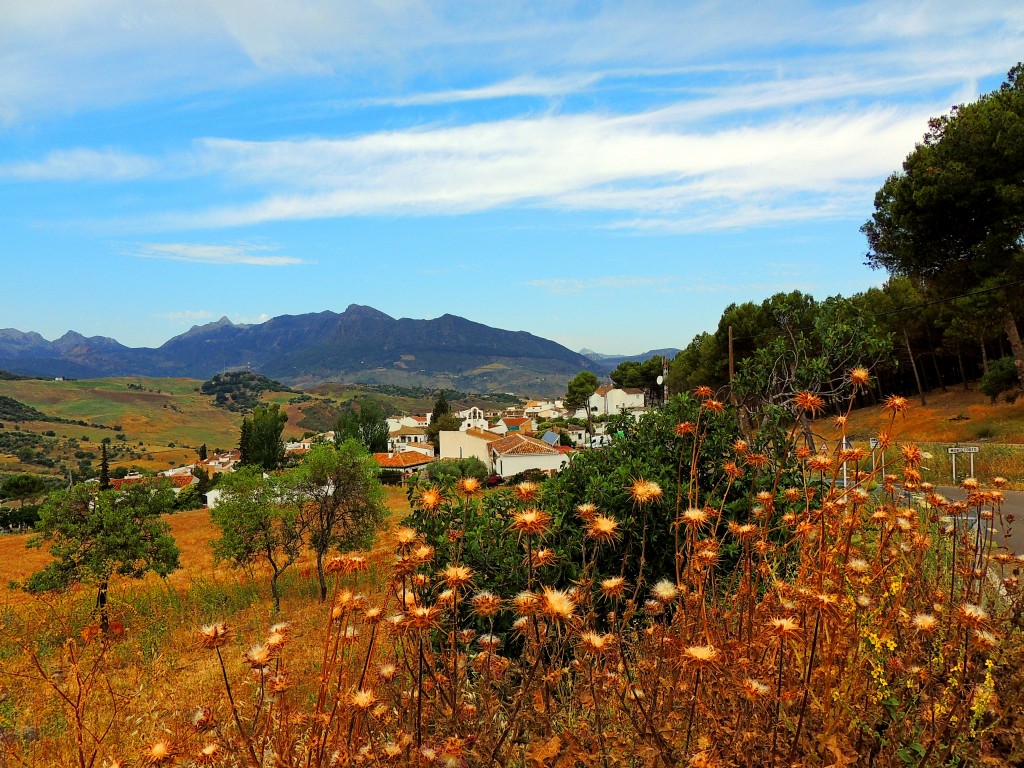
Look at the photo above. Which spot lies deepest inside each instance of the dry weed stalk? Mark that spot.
(825, 624)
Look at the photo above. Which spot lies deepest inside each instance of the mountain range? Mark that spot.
(360, 344)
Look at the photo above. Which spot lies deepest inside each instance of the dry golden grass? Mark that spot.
(847, 629)
(192, 531)
(943, 420)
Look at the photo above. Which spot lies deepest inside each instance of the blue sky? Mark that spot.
(608, 175)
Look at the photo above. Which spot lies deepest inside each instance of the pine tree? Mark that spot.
(104, 468)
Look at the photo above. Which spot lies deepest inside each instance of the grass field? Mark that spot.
(192, 532)
(951, 418)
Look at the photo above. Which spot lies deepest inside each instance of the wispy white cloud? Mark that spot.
(516, 87)
(61, 57)
(81, 163)
(655, 172)
(196, 253)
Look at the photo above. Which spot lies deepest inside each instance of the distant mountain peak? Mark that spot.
(198, 330)
(361, 311)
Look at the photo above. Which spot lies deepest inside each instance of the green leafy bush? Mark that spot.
(1000, 377)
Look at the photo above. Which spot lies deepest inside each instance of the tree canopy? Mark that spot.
(578, 392)
(260, 442)
(258, 524)
(95, 535)
(340, 497)
(954, 216)
(367, 425)
(633, 373)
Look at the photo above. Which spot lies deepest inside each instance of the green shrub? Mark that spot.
(1000, 377)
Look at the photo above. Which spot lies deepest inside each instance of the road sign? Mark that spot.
(954, 450)
(874, 442)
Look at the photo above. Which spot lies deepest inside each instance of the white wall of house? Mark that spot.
(461, 445)
(512, 464)
(422, 448)
(617, 399)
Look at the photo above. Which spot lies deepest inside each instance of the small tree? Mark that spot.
(446, 472)
(340, 497)
(578, 393)
(104, 466)
(1000, 377)
(441, 407)
(260, 442)
(368, 425)
(22, 487)
(96, 535)
(257, 524)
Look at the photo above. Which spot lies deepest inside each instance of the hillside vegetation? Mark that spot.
(681, 598)
(956, 417)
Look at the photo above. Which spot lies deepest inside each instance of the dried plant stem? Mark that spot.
(234, 711)
(597, 719)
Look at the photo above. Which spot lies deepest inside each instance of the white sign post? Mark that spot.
(968, 449)
(874, 442)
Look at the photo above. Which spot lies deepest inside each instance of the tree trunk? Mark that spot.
(1010, 325)
(320, 575)
(984, 356)
(935, 359)
(275, 591)
(960, 362)
(913, 366)
(101, 605)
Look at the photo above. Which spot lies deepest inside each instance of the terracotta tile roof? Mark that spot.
(602, 391)
(178, 481)
(515, 444)
(632, 390)
(402, 460)
(514, 422)
(409, 431)
(483, 434)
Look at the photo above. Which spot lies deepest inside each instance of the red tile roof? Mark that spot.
(514, 422)
(402, 460)
(178, 481)
(483, 434)
(516, 444)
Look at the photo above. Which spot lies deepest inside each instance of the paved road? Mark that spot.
(1014, 505)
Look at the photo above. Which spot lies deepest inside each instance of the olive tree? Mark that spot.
(95, 535)
(340, 499)
(258, 523)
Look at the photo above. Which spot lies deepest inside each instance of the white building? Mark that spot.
(462, 445)
(472, 418)
(609, 400)
(515, 453)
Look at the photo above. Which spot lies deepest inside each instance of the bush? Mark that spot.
(447, 472)
(19, 517)
(1000, 377)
